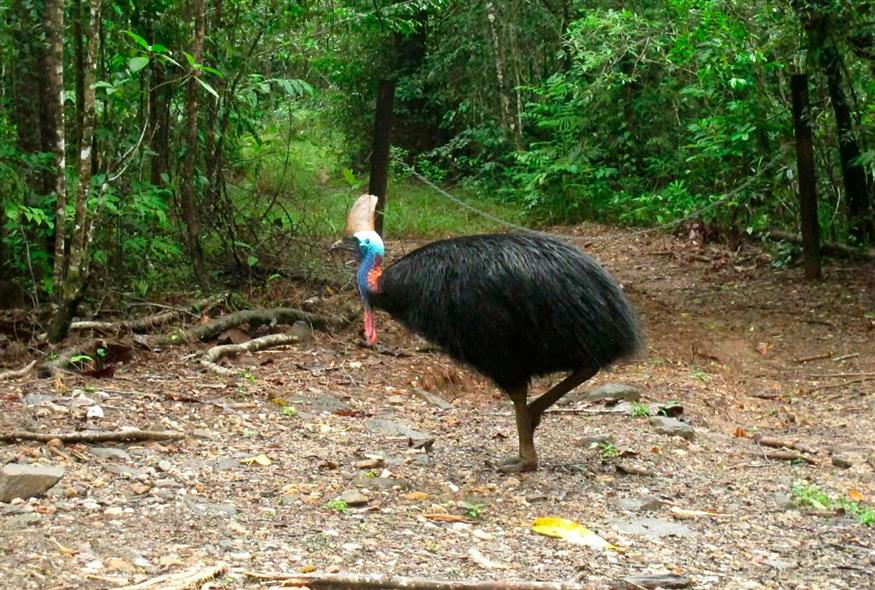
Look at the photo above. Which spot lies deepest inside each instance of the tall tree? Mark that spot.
(53, 24)
(187, 200)
(805, 173)
(77, 261)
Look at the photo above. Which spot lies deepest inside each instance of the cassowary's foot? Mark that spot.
(516, 464)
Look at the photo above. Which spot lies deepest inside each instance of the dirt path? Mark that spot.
(725, 337)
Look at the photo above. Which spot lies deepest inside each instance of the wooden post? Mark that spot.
(805, 169)
(380, 151)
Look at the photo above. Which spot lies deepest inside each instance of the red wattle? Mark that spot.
(370, 330)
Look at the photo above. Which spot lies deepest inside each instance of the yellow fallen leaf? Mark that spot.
(856, 495)
(415, 496)
(260, 459)
(573, 532)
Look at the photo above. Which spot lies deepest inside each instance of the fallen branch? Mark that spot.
(186, 580)
(17, 372)
(826, 247)
(254, 317)
(781, 443)
(148, 323)
(92, 435)
(215, 353)
(842, 384)
(788, 456)
(381, 581)
(816, 357)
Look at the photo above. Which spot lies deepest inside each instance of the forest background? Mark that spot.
(150, 145)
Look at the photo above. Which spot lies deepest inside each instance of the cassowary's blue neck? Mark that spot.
(368, 280)
(368, 276)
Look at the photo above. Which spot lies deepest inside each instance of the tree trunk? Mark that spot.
(508, 123)
(54, 127)
(853, 174)
(807, 183)
(74, 282)
(379, 178)
(187, 205)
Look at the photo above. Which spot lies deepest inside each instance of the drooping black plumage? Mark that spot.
(512, 306)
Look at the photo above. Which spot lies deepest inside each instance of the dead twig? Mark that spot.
(14, 374)
(190, 578)
(781, 443)
(842, 384)
(816, 357)
(215, 353)
(92, 435)
(788, 456)
(381, 581)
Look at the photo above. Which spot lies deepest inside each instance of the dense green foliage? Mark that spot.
(559, 110)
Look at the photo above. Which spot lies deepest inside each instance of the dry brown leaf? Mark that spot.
(856, 495)
(445, 517)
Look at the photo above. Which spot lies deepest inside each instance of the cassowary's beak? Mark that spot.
(348, 244)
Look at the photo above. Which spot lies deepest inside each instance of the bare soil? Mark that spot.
(745, 350)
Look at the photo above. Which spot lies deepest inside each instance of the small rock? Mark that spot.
(595, 439)
(371, 463)
(126, 471)
(613, 392)
(354, 498)
(109, 453)
(27, 481)
(652, 527)
(533, 498)
(20, 521)
(629, 469)
(303, 331)
(658, 581)
(328, 403)
(38, 399)
(389, 428)
(672, 427)
(840, 461)
(203, 433)
(395, 400)
(642, 504)
(165, 466)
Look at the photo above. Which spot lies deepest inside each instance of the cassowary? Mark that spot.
(511, 306)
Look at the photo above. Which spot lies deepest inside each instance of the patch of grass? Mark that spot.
(290, 411)
(810, 495)
(700, 375)
(473, 510)
(316, 190)
(607, 450)
(337, 506)
(639, 410)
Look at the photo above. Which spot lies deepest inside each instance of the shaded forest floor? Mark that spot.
(745, 350)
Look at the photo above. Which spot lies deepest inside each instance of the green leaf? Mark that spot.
(207, 87)
(251, 261)
(349, 177)
(135, 64)
(139, 40)
(158, 48)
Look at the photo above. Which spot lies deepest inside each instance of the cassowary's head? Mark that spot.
(367, 244)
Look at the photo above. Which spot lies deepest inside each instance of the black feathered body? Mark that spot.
(512, 306)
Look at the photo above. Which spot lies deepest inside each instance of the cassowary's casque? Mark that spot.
(512, 306)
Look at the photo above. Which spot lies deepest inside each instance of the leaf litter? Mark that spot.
(251, 487)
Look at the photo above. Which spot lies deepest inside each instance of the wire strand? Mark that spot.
(603, 239)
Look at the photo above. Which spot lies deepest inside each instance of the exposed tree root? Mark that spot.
(832, 248)
(92, 435)
(186, 580)
(145, 324)
(381, 581)
(14, 374)
(254, 317)
(217, 352)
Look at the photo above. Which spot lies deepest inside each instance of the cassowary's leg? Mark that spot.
(537, 406)
(527, 459)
